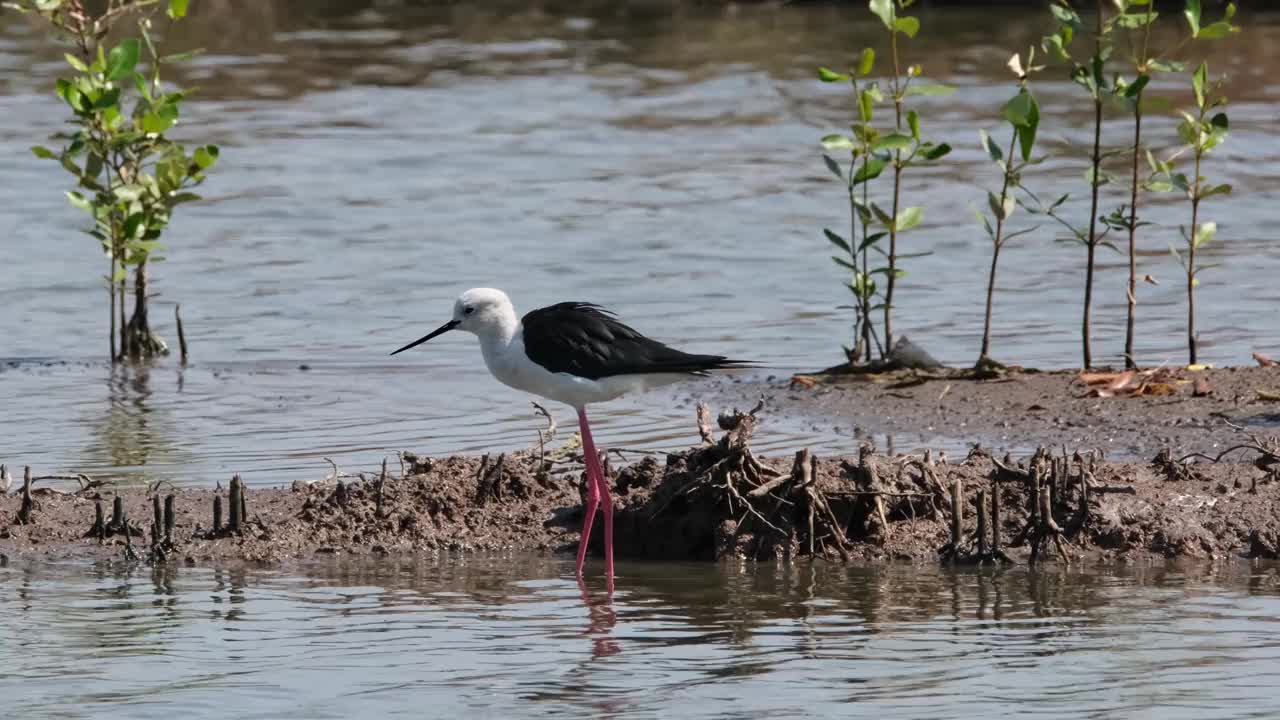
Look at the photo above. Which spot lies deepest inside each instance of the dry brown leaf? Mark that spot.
(1202, 389)
(1265, 361)
(806, 381)
(1269, 396)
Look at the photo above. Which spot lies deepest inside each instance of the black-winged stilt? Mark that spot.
(575, 353)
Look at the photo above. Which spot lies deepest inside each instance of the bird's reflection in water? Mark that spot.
(601, 619)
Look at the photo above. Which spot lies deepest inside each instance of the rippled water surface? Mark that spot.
(658, 158)
(516, 637)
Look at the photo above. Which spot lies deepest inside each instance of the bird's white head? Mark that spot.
(485, 312)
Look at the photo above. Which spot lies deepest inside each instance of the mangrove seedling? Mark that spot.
(865, 164)
(905, 143)
(1137, 18)
(1022, 113)
(1200, 131)
(129, 175)
(1091, 75)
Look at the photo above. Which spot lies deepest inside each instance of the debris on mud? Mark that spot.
(712, 501)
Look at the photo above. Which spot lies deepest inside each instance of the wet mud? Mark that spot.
(712, 501)
(1165, 408)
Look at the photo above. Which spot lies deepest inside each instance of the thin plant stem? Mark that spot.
(995, 251)
(897, 187)
(1129, 361)
(1086, 330)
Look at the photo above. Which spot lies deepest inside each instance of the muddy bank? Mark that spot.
(712, 501)
(1179, 410)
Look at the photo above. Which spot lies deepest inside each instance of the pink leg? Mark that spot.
(594, 470)
(593, 500)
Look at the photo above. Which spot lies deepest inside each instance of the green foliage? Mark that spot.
(868, 150)
(129, 175)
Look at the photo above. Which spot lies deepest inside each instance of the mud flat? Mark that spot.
(1166, 408)
(714, 500)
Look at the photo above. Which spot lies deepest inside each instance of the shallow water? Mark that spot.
(657, 158)
(516, 637)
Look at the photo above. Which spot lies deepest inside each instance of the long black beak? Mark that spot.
(438, 331)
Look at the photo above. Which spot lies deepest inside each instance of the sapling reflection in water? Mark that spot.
(129, 175)
(870, 152)
(1022, 113)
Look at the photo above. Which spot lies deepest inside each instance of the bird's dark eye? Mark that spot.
(468, 310)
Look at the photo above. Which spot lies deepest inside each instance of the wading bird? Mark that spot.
(575, 353)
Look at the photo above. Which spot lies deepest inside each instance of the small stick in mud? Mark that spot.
(244, 503)
(169, 519)
(157, 521)
(117, 516)
(99, 528)
(28, 503)
(217, 514)
(957, 513)
(704, 425)
(1047, 529)
(983, 552)
(237, 505)
(129, 552)
(382, 480)
(182, 337)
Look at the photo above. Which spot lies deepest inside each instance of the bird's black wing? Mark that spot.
(585, 340)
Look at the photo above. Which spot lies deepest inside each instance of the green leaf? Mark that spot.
(909, 218)
(1217, 30)
(177, 9)
(1065, 16)
(181, 57)
(1135, 88)
(929, 89)
(997, 207)
(1205, 233)
(122, 59)
(75, 62)
(1027, 132)
(43, 152)
(866, 62)
(1198, 80)
(913, 122)
(1133, 21)
(866, 104)
(881, 215)
(843, 263)
(1192, 14)
(833, 166)
(908, 26)
(1166, 65)
(179, 198)
(838, 142)
(870, 169)
(933, 152)
(893, 141)
(883, 9)
(837, 240)
(871, 240)
(829, 75)
(1220, 121)
(997, 155)
(79, 201)
(1223, 189)
(1018, 110)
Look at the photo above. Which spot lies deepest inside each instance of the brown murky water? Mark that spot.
(658, 158)
(516, 637)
